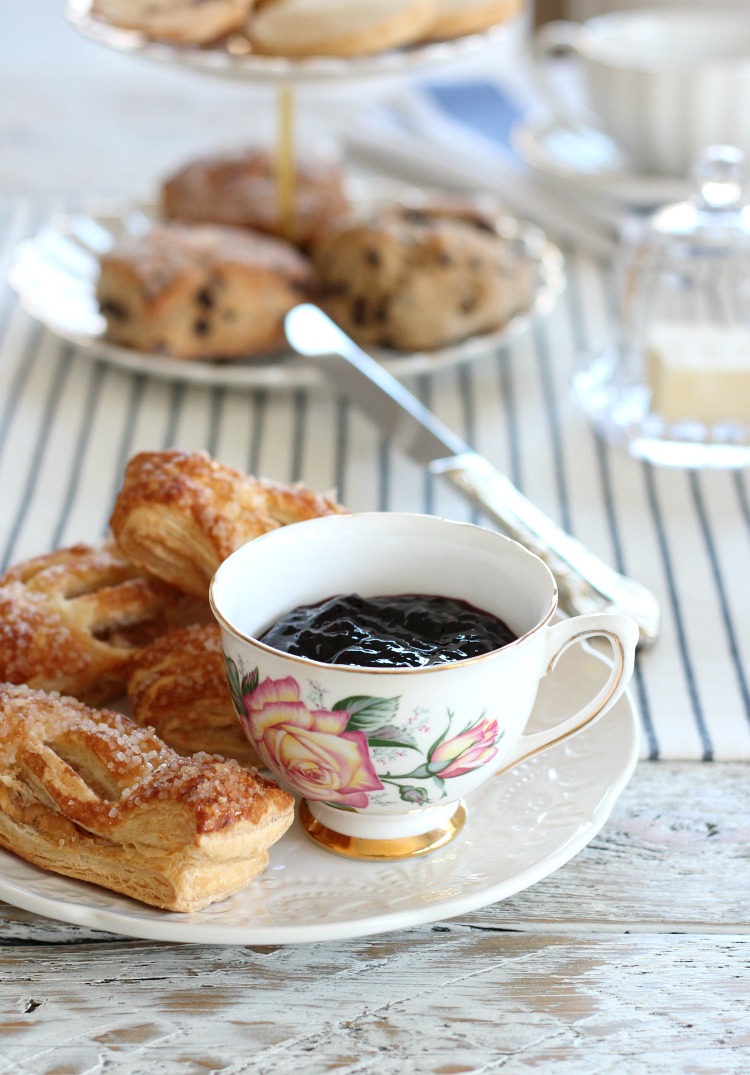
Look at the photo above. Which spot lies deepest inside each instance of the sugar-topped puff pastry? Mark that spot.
(71, 620)
(89, 794)
(178, 686)
(179, 514)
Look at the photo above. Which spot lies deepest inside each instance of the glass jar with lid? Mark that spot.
(675, 387)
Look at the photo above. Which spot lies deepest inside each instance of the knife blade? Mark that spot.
(585, 582)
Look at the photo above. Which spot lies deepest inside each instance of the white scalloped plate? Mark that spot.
(522, 825)
(233, 58)
(54, 277)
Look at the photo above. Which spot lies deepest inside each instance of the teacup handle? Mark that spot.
(622, 634)
(559, 36)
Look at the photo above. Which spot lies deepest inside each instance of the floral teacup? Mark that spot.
(382, 757)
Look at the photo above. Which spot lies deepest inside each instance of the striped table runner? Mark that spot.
(68, 424)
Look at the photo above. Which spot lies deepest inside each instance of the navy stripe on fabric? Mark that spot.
(341, 446)
(424, 395)
(57, 383)
(602, 455)
(384, 474)
(79, 453)
(176, 401)
(469, 419)
(259, 398)
(721, 592)
(742, 495)
(218, 395)
(541, 350)
(125, 451)
(298, 435)
(676, 604)
(25, 370)
(510, 415)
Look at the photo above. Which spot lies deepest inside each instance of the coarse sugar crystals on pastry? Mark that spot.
(185, 22)
(88, 794)
(200, 291)
(71, 620)
(179, 514)
(337, 27)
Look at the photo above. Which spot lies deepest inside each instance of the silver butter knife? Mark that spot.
(585, 583)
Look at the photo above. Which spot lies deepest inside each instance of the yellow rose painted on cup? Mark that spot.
(342, 755)
(312, 748)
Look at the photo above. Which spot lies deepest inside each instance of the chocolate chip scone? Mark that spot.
(200, 291)
(423, 277)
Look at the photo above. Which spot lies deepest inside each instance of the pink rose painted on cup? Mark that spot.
(313, 750)
(466, 751)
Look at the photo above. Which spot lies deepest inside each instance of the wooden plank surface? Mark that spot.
(633, 957)
(432, 1001)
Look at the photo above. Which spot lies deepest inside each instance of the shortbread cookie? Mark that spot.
(242, 189)
(187, 22)
(456, 18)
(179, 514)
(89, 794)
(72, 620)
(200, 291)
(337, 27)
(178, 686)
(421, 278)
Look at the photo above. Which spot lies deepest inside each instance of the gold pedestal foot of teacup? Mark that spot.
(400, 847)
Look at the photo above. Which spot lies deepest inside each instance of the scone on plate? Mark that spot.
(182, 22)
(241, 189)
(337, 27)
(178, 686)
(423, 276)
(88, 794)
(179, 514)
(200, 291)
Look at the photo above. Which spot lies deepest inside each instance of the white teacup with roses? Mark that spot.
(383, 757)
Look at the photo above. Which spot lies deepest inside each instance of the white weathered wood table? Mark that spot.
(633, 957)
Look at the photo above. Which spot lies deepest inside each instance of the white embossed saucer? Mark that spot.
(522, 825)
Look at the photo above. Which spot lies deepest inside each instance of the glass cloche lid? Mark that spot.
(675, 387)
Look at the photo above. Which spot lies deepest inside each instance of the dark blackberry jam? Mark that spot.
(401, 631)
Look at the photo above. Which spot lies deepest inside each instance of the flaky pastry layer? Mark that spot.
(71, 620)
(91, 795)
(178, 686)
(180, 514)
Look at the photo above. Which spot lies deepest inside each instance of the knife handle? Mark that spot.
(585, 583)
